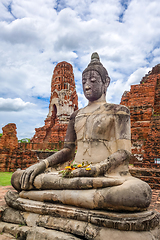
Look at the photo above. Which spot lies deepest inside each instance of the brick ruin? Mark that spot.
(63, 102)
(143, 100)
(9, 140)
(11, 156)
(14, 154)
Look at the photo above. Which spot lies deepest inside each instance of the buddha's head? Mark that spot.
(95, 79)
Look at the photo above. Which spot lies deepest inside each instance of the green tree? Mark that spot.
(24, 140)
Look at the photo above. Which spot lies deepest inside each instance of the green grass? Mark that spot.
(5, 178)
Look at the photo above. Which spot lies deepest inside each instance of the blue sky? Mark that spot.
(36, 35)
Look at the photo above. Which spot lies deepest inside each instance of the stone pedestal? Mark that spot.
(28, 219)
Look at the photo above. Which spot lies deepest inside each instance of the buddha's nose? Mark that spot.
(87, 87)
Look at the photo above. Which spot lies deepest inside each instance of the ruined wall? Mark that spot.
(11, 156)
(11, 161)
(14, 155)
(143, 100)
(9, 140)
(41, 146)
(63, 102)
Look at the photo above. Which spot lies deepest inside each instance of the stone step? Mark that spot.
(148, 172)
(150, 179)
(151, 176)
(7, 236)
(141, 165)
(48, 227)
(36, 233)
(154, 186)
(40, 233)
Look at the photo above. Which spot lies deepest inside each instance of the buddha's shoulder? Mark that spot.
(116, 108)
(74, 114)
(109, 108)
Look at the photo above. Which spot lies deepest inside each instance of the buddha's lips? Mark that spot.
(88, 91)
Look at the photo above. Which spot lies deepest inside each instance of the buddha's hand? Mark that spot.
(83, 172)
(30, 173)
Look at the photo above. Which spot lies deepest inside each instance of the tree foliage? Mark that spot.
(24, 140)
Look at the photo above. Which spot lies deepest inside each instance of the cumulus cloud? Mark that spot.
(120, 85)
(36, 35)
(16, 104)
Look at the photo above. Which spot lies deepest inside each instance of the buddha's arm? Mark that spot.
(122, 152)
(62, 156)
(67, 153)
(112, 162)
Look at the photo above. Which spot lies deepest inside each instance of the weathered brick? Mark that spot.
(9, 140)
(143, 100)
(63, 102)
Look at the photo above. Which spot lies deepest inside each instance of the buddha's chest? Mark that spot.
(95, 126)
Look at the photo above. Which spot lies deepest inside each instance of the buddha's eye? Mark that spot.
(84, 80)
(93, 79)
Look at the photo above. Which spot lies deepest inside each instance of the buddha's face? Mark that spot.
(92, 85)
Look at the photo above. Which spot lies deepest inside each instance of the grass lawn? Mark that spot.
(5, 178)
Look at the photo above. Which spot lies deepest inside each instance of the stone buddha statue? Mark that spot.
(102, 133)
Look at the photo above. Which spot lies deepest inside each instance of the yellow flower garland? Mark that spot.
(71, 167)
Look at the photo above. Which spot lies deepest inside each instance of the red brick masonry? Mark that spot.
(11, 156)
(9, 140)
(143, 100)
(63, 102)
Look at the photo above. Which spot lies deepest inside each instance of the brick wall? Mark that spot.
(11, 161)
(41, 146)
(11, 156)
(143, 100)
(9, 140)
(14, 155)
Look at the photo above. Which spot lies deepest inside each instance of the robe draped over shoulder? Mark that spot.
(102, 132)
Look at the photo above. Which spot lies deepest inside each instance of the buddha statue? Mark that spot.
(101, 131)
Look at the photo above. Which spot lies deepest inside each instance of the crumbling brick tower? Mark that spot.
(9, 140)
(63, 102)
(143, 101)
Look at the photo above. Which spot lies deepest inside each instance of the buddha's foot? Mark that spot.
(132, 195)
(57, 182)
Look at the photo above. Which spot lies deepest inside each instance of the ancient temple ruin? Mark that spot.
(12, 155)
(143, 101)
(63, 102)
(99, 200)
(9, 140)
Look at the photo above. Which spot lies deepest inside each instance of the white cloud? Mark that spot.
(16, 104)
(5, 14)
(120, 85)
(137, 76)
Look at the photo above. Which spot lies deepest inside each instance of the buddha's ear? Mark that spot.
(106, 84)
(104, 88)
(107, 81)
